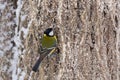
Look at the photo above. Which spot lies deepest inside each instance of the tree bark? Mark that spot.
(88, 34)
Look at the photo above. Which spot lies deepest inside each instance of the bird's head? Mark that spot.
(49, 32)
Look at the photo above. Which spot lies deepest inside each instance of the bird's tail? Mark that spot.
(36, 66)
(42, 56)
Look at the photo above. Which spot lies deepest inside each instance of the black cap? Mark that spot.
(47, 31)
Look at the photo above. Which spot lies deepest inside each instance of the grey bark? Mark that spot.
(88, 33)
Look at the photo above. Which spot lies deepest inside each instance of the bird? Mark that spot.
(48, 46)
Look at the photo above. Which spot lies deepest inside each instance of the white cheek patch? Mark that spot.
(51, 33)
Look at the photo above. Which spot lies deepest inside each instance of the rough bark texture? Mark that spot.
(88, 32)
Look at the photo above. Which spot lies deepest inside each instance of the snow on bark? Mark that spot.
(88, 34)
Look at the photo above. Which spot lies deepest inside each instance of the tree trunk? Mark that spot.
(88, 34)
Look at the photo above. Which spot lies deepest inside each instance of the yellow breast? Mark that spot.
(48, 42)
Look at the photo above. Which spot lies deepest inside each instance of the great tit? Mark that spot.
(48, 46)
